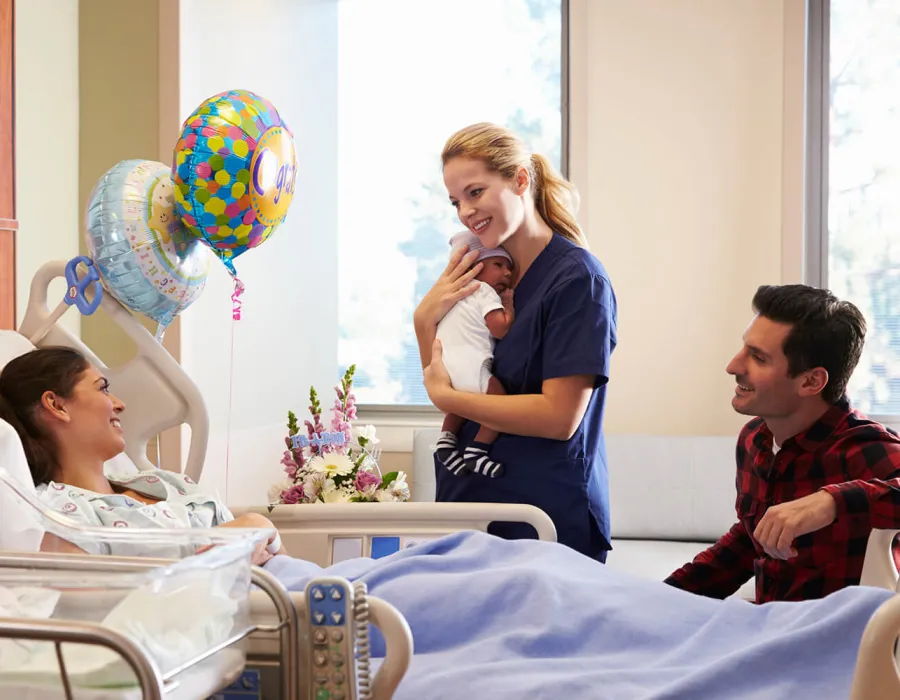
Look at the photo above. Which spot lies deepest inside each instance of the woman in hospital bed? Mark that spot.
(490, 617)
(68, 422)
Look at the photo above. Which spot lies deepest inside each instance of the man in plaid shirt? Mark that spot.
(814, 476)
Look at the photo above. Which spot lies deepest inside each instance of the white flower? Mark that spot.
(367, 433)
(275, 490)
(399, 488)
(370, 493)
(336, 495)
(384, 496)
(331, 465)
(313, 485)
(396, 491)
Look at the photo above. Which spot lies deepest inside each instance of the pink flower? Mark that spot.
(293, 495)
(290, 466)
(312, 431)
(366, 479)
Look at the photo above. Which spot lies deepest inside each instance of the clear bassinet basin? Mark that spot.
(178, 613)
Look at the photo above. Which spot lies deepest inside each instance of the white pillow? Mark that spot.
(12, 344)
(20, 528)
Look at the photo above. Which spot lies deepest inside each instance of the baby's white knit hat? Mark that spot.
(474, 243)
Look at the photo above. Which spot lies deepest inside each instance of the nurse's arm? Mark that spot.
(555, 413)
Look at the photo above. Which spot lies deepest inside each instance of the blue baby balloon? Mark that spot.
(146, 258)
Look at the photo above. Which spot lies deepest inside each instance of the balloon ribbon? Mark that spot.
(236, 299)
(235, 316)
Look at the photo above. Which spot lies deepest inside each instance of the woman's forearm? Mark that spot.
(53, 543)
(533, 415)
(425, 334)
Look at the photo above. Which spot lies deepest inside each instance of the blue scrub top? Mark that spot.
(565, 325)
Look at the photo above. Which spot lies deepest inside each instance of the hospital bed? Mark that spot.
(160, 396)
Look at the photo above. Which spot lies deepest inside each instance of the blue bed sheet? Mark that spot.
(509, 620)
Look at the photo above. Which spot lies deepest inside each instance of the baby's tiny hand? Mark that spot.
(506, 297)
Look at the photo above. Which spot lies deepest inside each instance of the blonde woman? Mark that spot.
(553, 362)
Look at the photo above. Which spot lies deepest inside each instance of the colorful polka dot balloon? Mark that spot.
(234, 171)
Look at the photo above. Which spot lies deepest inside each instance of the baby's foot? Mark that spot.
(448, 453)
(477, 460)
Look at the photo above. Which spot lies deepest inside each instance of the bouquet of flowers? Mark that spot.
(336, 466)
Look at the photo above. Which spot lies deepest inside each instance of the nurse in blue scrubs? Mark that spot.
(553, 363)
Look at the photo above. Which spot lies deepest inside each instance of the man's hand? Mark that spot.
(783, 523)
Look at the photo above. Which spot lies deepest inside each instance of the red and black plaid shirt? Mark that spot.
(856, 460)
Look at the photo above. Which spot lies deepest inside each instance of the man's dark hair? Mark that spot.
(825, 331)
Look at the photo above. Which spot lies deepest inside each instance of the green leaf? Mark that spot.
(388, 478)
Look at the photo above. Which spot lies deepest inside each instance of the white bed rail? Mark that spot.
(273, 611)
(308, 531)
(879, 569)
(65, 631)
(877, 676)
(158, 392)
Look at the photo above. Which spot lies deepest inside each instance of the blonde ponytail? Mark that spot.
(555, 198)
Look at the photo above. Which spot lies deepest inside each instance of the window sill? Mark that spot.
(395, 426)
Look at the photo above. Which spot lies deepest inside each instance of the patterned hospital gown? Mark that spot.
(181, 505)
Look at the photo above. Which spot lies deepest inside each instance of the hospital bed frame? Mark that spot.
(176, 400)
(284, 633)
(154, 684)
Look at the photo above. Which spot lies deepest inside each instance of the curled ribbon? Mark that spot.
(236, 299)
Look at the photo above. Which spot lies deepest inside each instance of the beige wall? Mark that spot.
(678, 138)
(119, 66)
(46, 113)
(119, 105)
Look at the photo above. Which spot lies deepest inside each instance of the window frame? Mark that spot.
(818, 53)
(818, 45)
(399, 417)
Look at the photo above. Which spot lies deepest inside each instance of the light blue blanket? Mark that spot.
(511, 620)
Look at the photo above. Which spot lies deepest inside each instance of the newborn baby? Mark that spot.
(467, 334)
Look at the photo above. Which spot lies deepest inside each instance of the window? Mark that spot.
(410, 73)
(854, 217)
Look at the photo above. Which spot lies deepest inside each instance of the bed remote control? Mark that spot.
(332, 667)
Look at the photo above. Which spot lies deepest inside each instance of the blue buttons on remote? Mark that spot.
(327, 605)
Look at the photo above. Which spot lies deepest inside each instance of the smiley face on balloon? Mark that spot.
(234, 172)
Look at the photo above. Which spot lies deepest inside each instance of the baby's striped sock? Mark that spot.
(448, 454)
(477, 460)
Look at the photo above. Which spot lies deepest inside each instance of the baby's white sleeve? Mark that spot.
(488, 299)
